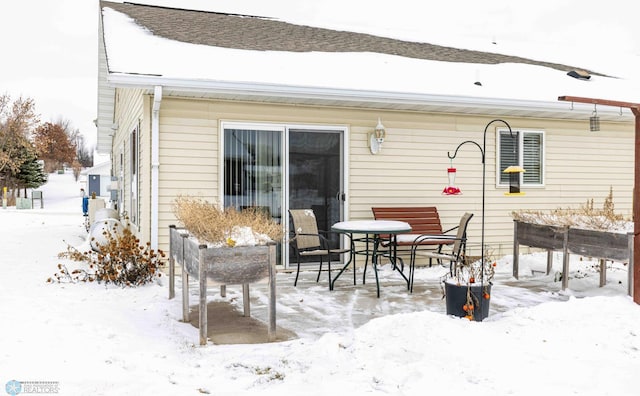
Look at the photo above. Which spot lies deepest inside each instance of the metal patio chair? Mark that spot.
(453, 256)
(308, 241)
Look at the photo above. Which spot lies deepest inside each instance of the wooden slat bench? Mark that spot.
(423, 220)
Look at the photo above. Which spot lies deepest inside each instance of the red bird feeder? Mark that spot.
(451, 189)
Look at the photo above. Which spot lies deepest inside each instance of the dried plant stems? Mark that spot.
(209, 223)
(121, 260)
(586, 216)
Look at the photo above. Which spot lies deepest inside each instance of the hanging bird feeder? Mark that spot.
(514, 179)
(451, 188)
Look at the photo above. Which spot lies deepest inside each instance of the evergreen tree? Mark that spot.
(31, 174)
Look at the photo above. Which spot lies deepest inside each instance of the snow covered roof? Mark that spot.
(102, 168)
(266, 34)
(251, 57)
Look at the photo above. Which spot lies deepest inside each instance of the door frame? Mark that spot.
(285, 128)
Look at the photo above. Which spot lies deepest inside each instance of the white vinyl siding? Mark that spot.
(106, 101)
(127, 166)
(410, 170)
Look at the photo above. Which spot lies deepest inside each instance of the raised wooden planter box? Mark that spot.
(240, 265)
(589, 243)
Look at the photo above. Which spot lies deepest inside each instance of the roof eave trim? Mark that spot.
(264, 90)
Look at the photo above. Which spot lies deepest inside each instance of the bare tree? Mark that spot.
(84, 155)
(17, 119)
(54, 146)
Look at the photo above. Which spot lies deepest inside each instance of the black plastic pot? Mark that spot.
(456, 299)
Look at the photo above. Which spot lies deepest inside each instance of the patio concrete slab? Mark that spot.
(311, 310)
(227, 325)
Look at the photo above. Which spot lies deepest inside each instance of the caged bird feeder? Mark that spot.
(514, 172)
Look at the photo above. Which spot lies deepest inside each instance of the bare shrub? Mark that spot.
(122, 260)
(209, 223)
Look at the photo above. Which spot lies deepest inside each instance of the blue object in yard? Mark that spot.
(85, 205)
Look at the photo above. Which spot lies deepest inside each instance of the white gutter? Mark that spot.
(383, 99)
(155, 163)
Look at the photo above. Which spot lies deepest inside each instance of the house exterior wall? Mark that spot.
(129, 114)
(188, 157)
(105, 110)
(411, 168)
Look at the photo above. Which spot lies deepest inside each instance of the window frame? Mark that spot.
(520, 136)
(134, 172)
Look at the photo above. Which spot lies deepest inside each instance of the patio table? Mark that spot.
(373, 228)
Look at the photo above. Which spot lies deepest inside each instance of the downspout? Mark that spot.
(155, 162)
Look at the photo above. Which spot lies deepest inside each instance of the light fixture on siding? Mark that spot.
(451, 188)
(594, 120)
(514, 172)
(377, 138)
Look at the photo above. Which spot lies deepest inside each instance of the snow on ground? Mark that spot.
(95, 340)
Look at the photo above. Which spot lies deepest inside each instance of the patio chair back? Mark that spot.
(460, 243)
(305, 229)
(456, 254)
(309, 242)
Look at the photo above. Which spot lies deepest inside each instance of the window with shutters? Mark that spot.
(523, 148)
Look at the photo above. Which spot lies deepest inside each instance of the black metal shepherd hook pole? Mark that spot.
(483, 154)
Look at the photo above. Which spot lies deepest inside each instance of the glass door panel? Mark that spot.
(315, 176)
(253, 170)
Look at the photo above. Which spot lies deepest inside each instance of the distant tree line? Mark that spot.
(29, 149)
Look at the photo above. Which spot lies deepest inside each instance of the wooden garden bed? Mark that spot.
(589, 243)
(221, 266)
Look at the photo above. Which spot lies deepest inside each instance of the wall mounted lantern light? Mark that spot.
(514, 172)
(594, 120)
(377, 138)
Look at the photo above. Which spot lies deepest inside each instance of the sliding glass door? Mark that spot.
(278, 167)
(315, 175)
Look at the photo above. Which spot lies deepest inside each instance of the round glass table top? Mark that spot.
(372, 226)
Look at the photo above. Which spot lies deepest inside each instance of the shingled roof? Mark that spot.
(265, 34)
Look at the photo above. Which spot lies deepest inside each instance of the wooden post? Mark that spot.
(202, 274)
(636, 212)
(631, 267)
(186, 317)
(603, 272)
(565, 259)
(516, 250)
(271, 332)
(246, 304)
(172, 263)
